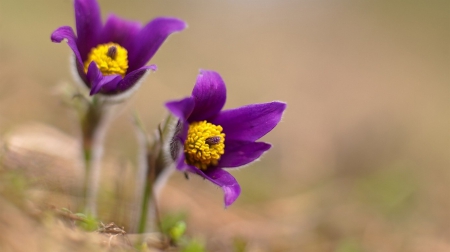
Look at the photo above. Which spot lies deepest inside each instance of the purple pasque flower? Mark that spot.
(110, 59)
(207, 139)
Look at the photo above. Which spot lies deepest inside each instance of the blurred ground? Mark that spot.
(361, 161)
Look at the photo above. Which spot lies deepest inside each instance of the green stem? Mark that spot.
(155, 164)
(93, 130)
(148, 191)
(87, 154)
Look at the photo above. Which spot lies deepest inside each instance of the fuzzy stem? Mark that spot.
(94, 125)
(141, 175)
(152, 174)
(146, 217)
(147, 196)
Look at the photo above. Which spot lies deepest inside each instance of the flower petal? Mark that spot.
(100, 82)
(89, 23)
(239, 153)
(120, 31)
(66, 32)
(226, 181)
(181, 163)
(220, 177)
(132, 78)
(109, 83)
(250, 122)
(93, 74)
(79, 68)
(181, 108)
(150, 38)
(210, 94)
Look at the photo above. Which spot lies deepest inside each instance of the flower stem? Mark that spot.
(87, 173)
(94, 124)
(147, 195)
(152, 173)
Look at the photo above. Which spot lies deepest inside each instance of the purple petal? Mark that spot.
(94, 75)
(250, 122)
(81, 72)
(66, 32)
(100, 82)
(218, 176)
(89, 24)
(210, 94)
(181, 108)
(226, 181)
(150, 38)
(133, 77)
(239, 153)
(181, 163)
(109, 83)
(120, 31)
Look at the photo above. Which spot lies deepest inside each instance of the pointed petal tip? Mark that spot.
(175, 24)
(133, 80)
(94, 91)
(219, 177)
(226, 181)
(150, 38)
(65, 33)
(181, 108)
(250, 122)
(279, 107)
(240, 153)
(231, 195)
(61, 34)
(281, 104)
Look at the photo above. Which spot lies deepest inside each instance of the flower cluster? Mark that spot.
(111, 59)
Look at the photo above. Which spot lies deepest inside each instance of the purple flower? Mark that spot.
(207, 139)
(110, 59)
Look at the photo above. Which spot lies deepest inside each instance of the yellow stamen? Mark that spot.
(110, 58)
(204, 144)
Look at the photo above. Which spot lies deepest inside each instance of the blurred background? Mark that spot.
(360, 161)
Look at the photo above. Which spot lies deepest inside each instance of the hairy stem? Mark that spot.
(94, 124)
(147, 195)
(152, 174)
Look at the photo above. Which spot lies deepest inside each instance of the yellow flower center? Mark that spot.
(204, 144)
(110, 58)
